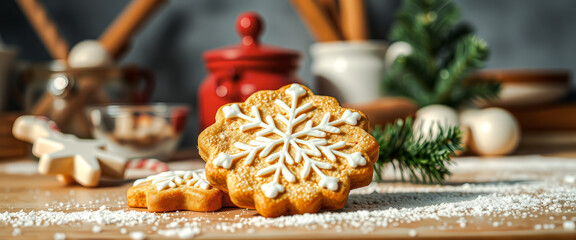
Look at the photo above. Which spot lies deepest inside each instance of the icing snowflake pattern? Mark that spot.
(315, 147)
(172, 179)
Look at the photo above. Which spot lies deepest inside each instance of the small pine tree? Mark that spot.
(444, 52)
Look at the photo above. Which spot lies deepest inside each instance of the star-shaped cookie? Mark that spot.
(72, 159)
(177, 190)
(82, 159)
(288, 152)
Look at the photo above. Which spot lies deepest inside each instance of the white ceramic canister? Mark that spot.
(352, 72)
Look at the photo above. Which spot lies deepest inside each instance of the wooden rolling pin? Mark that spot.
(45, 28)
(50, 36)
(117, 36)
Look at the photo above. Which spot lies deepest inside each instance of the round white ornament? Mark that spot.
(431, 118)
(89, 53)
(493, 131)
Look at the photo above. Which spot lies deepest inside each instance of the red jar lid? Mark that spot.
(250, 53)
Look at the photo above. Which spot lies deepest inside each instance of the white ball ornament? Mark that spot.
(429, 119)
(89, 53)
(493, 131)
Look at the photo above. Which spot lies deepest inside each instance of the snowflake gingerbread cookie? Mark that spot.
(288, 152)
(176, 190)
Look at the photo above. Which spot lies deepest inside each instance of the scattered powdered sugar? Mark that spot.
(392, 205)
(412, 233)
(137, 235)
(546, 203)
(538, 227)
(387, 205)
(78, 203)
(568, 225)
(462, 222)
(96, 229)
(16, 232)
(59, 236)
(187, 232)
(50, 218)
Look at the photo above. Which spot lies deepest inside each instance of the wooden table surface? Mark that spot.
(534, 197)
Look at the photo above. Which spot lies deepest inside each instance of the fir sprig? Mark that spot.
(444, 52)
(421, 159)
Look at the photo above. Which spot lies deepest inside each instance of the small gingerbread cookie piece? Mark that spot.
(176, 190)
(288, 152)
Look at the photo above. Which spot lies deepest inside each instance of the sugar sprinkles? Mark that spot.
(368, 209)
(137, 235)
(59, 236)
(547, 204)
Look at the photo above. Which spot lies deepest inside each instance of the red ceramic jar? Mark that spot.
(235, 72)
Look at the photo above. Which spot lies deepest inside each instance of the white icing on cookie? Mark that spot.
(305, 149)
(172, 179)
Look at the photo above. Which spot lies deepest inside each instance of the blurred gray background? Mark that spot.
(521, 33)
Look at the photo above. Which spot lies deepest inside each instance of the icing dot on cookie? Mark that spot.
(272, 189)
(223, 160)
(331, 183)
(231, 111)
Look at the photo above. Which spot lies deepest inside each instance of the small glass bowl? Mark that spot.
(139, 131)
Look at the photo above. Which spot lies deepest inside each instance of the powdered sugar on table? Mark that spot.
(512, 195)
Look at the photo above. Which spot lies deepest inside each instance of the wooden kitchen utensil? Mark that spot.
(50, 36)
(330, 7)
(45, 28)
(353, 20)
(114, 41)
(117, 36)
(317, 21)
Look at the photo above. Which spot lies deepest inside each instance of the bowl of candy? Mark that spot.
(139, 131)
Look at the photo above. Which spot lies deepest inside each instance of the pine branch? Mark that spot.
(471, 52)
(478, 90)
(444, 52)
(410, 83)
(421, 160)
(449, 42)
